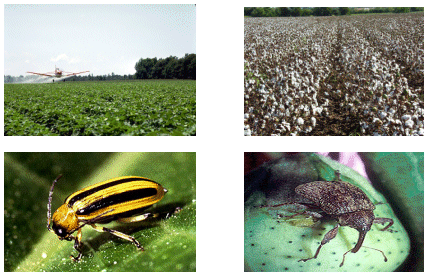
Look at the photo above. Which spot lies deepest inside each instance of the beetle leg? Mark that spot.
(177, 210)
(77, 245)
(383, 221)
(329, 236)
(137, 218)
(118, 234)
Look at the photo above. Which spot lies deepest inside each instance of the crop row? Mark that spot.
(358, 75)
(113, 108)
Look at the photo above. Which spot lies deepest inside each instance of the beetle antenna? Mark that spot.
(49, 203)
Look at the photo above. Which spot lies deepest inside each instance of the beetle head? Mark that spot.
(361, 221)
(64, 221)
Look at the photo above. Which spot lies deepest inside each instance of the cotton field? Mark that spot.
(343, 75)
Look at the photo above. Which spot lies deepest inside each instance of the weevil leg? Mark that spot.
(294, 207)
(308, 213)
(277, 205)
(343, 257)
(385, 258)
(118, 234)
(329, 236)
(383, 221)
(313, 214)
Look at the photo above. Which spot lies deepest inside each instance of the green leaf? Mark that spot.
(170, 244)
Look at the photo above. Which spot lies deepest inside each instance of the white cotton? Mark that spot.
(409, 123)
(406, 117)
(313, 121)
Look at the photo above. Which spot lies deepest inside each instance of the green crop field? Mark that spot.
(148, 107)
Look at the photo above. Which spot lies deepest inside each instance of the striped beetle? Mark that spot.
(122, 199)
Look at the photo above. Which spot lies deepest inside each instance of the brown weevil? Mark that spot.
(343, 202)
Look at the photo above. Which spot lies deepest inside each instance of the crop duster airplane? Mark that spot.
(58, 73)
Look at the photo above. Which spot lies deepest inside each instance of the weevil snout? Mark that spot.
(361, 221)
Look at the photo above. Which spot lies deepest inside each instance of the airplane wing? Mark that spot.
(41, 74)
(72, 74)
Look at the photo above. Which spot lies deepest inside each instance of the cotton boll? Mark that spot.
(313, 121)
(300, 121)
(365, 125)
(286, 125)
(326, 102)
(377, 121)
(406, 117)
(409, 123)
(317, 110)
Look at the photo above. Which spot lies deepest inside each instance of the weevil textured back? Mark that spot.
(335, 197)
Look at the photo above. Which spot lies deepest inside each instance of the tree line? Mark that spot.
(167, 68)
(319, 11)
(149, 68)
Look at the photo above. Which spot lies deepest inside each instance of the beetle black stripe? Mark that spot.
(117, 199)
(101, 187)
(107, 218)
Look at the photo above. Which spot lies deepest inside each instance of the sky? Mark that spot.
(102, 39)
